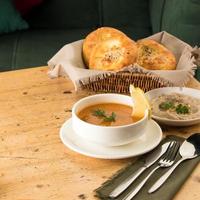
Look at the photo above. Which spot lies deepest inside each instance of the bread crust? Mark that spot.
(97, 36)
(154, 56)
(113, 54)
(108, 49)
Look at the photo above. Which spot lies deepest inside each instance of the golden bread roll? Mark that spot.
(97, 36)
(154, 56)
(113, 54)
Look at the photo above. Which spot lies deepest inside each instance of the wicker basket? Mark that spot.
(119, 82)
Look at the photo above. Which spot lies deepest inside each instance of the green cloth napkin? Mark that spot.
(166, 192)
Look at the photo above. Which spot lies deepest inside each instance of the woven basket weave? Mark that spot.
(119, 82)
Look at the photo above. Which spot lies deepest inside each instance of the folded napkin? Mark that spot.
(166, 192)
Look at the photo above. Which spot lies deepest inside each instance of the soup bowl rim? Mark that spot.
(74, 113)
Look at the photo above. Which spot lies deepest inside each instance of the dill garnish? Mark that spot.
(110, 118)
(101, 114)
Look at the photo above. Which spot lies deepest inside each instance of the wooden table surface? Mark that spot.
(34, 164)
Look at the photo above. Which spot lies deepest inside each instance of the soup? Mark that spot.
(108, 114)
(176, 106)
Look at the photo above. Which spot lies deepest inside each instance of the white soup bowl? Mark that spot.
(107, 135)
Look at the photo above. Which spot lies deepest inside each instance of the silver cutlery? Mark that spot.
(188, 150)
(166, 161)
(150, 160)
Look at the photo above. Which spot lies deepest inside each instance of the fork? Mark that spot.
(166, 161)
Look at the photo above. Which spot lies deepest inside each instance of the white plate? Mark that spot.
(150, 140)
(168, 90)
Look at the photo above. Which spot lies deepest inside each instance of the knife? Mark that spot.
(150, 160)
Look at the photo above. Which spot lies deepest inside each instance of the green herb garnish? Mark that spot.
(110, 118)
(101, 114)
(166, 105)
(182, 109)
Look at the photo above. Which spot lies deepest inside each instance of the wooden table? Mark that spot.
(34, 164)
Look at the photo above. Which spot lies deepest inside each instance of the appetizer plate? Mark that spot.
(168, 90)
(148, 141)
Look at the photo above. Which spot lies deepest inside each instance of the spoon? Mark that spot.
(189, 149)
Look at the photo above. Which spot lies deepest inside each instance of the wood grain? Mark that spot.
(34, 164)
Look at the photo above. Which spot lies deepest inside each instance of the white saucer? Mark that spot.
(146, 143)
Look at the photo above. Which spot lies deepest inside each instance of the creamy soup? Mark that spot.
(176, 106)
(107, 114)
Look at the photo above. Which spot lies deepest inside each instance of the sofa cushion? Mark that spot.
(61, 14)
(130, 16)
(180, 18)
(156, 8)
(10, 19)
(34, 47)
(24, 6)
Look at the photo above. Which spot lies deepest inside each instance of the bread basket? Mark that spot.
(69, 61)
(119, 82)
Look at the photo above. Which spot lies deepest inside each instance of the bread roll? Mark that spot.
(154, 56)
(113, 54)
(96, 37)
(108, 49)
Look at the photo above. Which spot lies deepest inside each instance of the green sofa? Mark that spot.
(57, 22)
